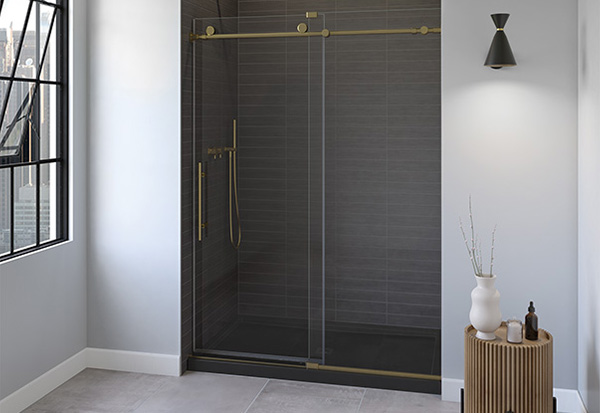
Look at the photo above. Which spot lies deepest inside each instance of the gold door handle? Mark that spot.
(201, 225)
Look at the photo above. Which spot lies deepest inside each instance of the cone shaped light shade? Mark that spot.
(500, 54)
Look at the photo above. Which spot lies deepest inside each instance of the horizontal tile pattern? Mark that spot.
(274, 164)
(382, 165)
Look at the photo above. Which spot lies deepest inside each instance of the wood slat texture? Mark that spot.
(502, 377)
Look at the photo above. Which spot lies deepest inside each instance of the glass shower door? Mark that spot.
(258, 148)
(383, 248)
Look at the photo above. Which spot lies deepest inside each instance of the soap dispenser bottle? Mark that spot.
(531, 324)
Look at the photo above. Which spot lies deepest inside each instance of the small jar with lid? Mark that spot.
(514, 331)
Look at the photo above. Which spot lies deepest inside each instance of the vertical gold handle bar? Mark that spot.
(200, 224)
(199, 201)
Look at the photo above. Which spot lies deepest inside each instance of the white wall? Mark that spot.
(43, 295)
(509, 138)
(589, 204)
(134, 175)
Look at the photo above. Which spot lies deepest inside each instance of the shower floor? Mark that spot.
(400, 349)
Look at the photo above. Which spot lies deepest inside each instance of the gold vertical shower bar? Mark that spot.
(201, 225)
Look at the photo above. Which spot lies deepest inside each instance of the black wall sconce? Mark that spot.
(500, 54)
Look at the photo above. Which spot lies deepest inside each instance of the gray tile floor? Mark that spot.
(94, 391)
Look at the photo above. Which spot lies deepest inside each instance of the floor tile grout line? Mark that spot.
(361, 400)
(149, 395)
(257, 394)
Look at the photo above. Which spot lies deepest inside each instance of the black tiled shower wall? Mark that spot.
(276, 90)
(382, 168)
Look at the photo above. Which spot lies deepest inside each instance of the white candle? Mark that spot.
(515, 331)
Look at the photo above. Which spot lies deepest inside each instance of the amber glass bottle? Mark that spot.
(531, 323)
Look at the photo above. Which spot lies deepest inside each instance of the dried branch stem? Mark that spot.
(474, 246)
(467, 245)
(492, 255)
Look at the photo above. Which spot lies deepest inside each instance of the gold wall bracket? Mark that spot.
(312, 366)
(302, 28)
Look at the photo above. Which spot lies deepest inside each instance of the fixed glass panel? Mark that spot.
(4, 211)
(383, 194)
(16, 126)
(25, 207)
(12, 22)
(48, 202)
(50, 66)
(47, 118)
(259, 299)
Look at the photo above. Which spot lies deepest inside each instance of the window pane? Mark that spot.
(47, 121)
(25, 207)
(15, 125)
(33, 46)
(12, 20)
(51, 61)
(48, 203)
(4, 211)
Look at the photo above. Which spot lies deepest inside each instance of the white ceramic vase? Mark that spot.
(485, 312)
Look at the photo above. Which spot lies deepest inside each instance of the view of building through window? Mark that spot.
(29, 108)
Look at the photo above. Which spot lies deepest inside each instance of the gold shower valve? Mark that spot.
(215, 152)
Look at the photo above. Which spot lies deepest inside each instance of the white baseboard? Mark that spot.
(568, 401)
(38, 388)
(451, 389)
(131, 361)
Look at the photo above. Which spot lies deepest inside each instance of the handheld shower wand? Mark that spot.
(233, 192)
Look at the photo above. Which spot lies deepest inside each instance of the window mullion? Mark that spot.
(36, 100)
(11, 186)
(35, 136)
(38, 204)
(30, 80)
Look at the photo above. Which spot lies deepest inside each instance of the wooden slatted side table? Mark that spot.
(503, 377)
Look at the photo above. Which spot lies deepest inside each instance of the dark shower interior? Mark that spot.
(338, 183)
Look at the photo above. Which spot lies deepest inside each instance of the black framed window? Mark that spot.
(33, 125)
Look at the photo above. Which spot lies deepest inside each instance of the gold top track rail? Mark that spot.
(211, 33)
